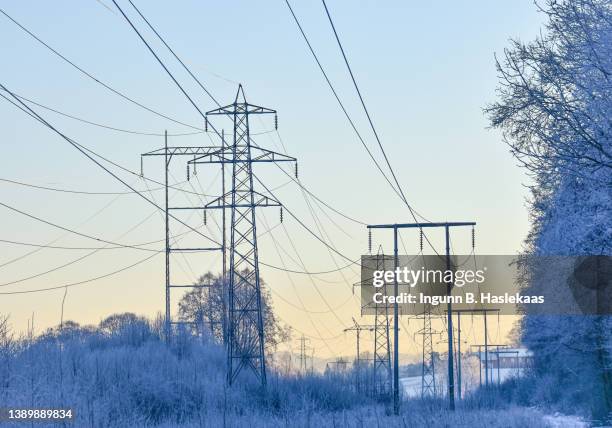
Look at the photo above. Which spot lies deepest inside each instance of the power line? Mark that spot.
(317, 221)
(173, 54)
(308, 314)
(95, 79)
(159, 60)
(322, 232)
(78, 147)
(191, 100)
(54, 269)
(152, 51)
(91, 253)
(195, 78)
(399, 191)
(310, 277)
(86, 281)
(305, 191)
(403, 196)
(64, 58)
(95, 250)
(330, 309)
(301, 223)
(187, 95)
(33, 114)
(58, 247)
(217, 103)
(77, 192)
(293, 305)
(86, 73)
(112, 128)
(331, 86)
(84, 235)
(100, 2)
(297, 181)
(340, 213)
(92, 216)
(302, 272)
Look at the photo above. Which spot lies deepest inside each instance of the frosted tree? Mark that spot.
(204, 308)
(554, 109)
(7, 350)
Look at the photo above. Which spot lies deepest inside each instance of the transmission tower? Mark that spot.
(358, 328)
(167, 154)
(304, 349)
(382, 345)
(339, 365)
(245, 320)
(428, 369)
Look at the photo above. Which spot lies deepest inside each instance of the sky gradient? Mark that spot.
(426, 70)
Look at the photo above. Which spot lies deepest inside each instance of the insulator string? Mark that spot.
(473, 238)
(421, 238)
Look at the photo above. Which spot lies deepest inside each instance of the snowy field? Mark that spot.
(412, 385)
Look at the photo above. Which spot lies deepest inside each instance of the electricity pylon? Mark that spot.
(245, 321)
(339, 365)
(428, 369)
(358, 328)
(303, 354)
(382, 345)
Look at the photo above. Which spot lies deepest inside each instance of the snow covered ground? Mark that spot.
(563, 421)
(470, 381)
(411, 385)
(412, 388)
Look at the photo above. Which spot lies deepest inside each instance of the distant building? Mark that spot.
(506, 357)
(503, 362)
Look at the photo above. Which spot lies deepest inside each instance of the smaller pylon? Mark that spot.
(428, 368)
(304, 349)
(382, 344)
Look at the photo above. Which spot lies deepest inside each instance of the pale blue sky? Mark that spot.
(426, 70)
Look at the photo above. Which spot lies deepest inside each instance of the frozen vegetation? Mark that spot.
(554, 108)
(122, 373)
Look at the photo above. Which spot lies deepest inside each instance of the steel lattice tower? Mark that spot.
(303, 356)
(382, 345)
(428, 370)
(245, 318)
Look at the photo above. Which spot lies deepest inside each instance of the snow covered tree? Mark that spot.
(204, 307)
(126, 327)
(555, 93)
(555, 109)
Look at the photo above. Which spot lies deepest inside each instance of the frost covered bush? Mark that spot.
(320, 392)
(122, 373)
